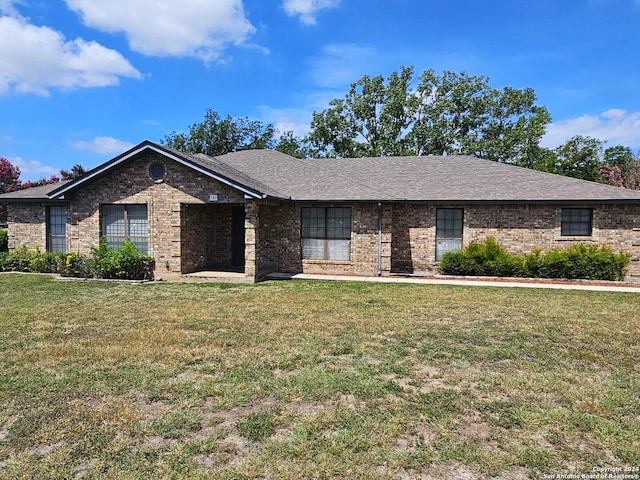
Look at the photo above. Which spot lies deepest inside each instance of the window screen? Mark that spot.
(125, 222)
(326, 233)
(576, 221)
(57, 230)
(448, 230)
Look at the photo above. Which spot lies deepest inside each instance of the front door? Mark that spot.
(237, 236)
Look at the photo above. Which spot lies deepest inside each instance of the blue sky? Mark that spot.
(83, 80)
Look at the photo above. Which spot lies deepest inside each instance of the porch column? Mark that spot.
(251, 245)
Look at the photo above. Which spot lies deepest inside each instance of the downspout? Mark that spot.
(379, 272)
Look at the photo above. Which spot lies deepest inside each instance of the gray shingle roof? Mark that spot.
(427, 178)
(301, 179)
(34, 193)
(453, 179)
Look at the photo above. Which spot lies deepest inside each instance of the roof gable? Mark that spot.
(201, 163)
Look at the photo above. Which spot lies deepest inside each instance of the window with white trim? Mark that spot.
(326, 233)
(57, 229)
(576, 222)
(125, 222)
(448, 230)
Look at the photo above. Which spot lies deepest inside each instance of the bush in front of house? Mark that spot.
(580, 261)
(482, 259)
(126, 262)
(584, 261)
(105, 262)
(4, 241)
(24, 260)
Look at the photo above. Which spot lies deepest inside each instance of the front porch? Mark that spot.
(212, 239)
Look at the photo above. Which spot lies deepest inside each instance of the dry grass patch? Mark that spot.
(314, 380)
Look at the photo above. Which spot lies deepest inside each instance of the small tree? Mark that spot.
(9, 176)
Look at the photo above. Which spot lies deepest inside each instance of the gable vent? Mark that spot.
(157, 171)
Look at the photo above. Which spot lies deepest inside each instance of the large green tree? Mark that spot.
(586, 158)
(216, 135)
(454, 113)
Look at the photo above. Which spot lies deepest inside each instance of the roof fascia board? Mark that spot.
(59, 194)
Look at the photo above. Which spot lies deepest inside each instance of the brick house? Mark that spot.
(261, 211)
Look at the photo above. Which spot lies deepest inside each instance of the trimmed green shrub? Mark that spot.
(4, 241)
(584, 261)
(581, 261)
(482, 259)
(126, 263)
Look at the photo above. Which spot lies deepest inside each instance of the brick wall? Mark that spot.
(187, 232)
(279, 232)
(409, 235)
(27, 225)
(519, 228)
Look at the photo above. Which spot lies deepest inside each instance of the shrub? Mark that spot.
(583, 261)
(4, 241)
(73, 265)
(591, 262)
(21, 258)
(46, 262)
(126, 263)
(5, 262)
(486, 259)
(105, 262)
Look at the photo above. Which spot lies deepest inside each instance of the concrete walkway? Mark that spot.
(479, 281)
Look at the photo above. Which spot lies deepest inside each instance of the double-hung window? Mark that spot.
(126, 222)
(576, 222)
(448, 230)
(57, 229)
(326, 233)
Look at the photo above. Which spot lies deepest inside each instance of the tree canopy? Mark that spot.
(9, 176)
(455, 113)
(429, 114)
(216, 135)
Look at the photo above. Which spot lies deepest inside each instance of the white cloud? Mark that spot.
(294, 120)
(103, 145)
(34, 59)
(341, 64)
(181, 28)
(307, 9)
(32, 169)
(615, 126)
(6, 6)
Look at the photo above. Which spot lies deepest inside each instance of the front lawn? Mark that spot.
(314, 380)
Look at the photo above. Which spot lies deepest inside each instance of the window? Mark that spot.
(57, 229)
(576, 222)
(326, 233)
(125, 222)
(448, 230)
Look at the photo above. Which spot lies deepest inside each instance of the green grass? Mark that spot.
(314, 380)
